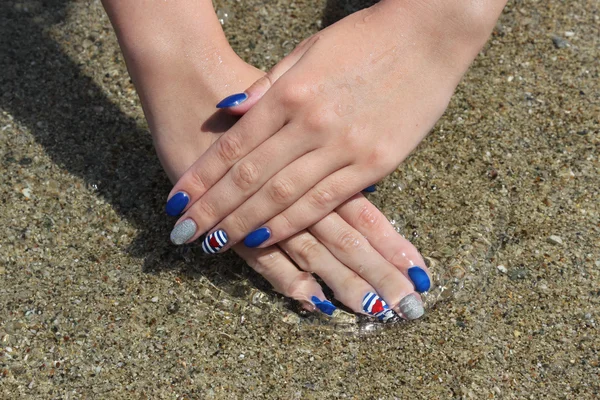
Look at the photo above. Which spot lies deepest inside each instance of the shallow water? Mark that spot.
(95, 303)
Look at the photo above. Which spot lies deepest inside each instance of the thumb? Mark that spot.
(240, 103)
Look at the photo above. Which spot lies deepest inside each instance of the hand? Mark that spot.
(335, 116)
(180, 111)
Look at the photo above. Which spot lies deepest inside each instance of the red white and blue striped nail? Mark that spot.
(374, 305)
(214, 242)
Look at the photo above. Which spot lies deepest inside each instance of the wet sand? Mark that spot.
(502, 197)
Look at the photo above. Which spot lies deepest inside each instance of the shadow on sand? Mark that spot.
(40, 83)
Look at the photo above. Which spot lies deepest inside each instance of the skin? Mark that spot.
(338, 114)
(353, 249)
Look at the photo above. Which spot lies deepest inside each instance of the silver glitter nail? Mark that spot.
(411, 307)
(183, 231)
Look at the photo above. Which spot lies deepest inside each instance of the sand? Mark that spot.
(502, 197)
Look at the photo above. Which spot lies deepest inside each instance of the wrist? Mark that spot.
(465, 25)
(156, 33)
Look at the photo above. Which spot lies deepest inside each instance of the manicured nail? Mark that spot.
(411, 307)
(183, 231)
(233, 100)
(258, 237)
(370, 189)
(420, 279)
(177, 203)
(377, 307)
(214, 242)
(325, 306)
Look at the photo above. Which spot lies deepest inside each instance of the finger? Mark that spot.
(348, 287)
(353, 250)
(319, 201)
(249, 132)
(374, 226)
(247, 177)
(286, 279)
(240, 103)
(276, 195)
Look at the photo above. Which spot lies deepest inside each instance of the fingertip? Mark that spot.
(233, 100)
(325, 306)
(257, 237)
(177, 203)
(370, 189)
(419, 278)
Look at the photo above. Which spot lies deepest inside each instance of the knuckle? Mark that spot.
(309, 250)
(399, 257)
(320, 198)
(284, 224)
(265, 262)
(300, 286)
(387, 280)
(293, 95)
(237, 223)
(229, 148)
(382, 158)
(206, 210)
(347, 241)
(353, 144)
(368, 218)
(320, 121)
(245, 174)
(197, 179)
(351, 282)
(281, 191)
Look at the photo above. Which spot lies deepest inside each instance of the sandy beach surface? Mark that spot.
(503, 198)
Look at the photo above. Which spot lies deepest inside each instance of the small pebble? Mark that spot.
(154, 299)
(502, 269)
(554, 239)
(517, 274)
(559, 42)
(173, 307)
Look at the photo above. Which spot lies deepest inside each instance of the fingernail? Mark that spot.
(411, 307)
(420, 279)
(325, 306)
(370, 189)
(177, 203)
(258, 237)
(233, 100)
(183, 231)
(214, 242)
(374, 305)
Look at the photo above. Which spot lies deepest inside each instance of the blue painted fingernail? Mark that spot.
(370, 189)
(177, 203)
(233, 100)
(419, 278)
(325, 306)
(258, 237)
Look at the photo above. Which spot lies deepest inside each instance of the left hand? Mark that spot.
(335, 116)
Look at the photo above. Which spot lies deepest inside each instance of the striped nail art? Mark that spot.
(214, 242)
(377, 307)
